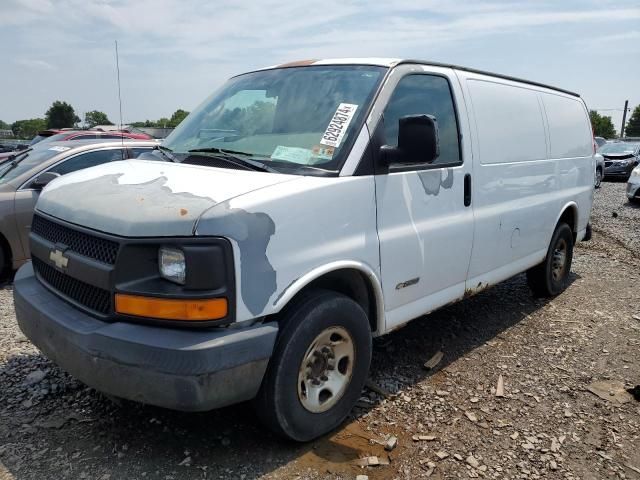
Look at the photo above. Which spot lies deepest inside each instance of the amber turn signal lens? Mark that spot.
(171, 308)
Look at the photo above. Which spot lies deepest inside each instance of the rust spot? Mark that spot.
(298, 63)
(469, 292)
(183, 212)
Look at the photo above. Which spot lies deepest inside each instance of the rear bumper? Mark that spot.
(179, 369)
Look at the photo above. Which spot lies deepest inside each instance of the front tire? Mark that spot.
(318, 367)
(551, 277)
(4, 264)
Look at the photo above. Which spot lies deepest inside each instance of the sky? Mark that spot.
(174, 53)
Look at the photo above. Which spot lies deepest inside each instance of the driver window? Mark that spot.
(425, 94)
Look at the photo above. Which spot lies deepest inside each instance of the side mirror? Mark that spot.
(417, 141)
(44, 178)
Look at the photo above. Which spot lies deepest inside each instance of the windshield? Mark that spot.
(288, 118)
(618, 147)
(36, 139)
(24, 162)
(58, 137)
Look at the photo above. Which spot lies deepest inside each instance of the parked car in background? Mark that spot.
(22, 179)
(620, 158)
(600, 165)
(9, 148)
(600, 141)
(633, 185)
(54, 135)
(68, 134)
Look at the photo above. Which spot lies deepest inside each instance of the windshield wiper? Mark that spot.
(17, 154)
(13, 162)
(167, 152)
(233, 157)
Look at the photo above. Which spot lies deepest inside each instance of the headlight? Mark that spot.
(172, 264)
(635, 172)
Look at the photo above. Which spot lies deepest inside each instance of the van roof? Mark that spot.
(392, 62)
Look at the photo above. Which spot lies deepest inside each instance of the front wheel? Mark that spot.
(551, 277)
(318, 367)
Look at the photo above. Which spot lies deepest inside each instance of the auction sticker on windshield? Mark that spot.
(292, 154)
(339, 124)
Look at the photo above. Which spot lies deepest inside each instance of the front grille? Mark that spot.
(607, 164)
(93, 298)
(100, 249)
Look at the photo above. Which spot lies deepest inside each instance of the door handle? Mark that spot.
(467, 190)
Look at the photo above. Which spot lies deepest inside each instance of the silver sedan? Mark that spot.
(633, 185)
(23, 176)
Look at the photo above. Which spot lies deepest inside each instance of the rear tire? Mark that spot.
(551, 277)
(599, 177)
(318, 367)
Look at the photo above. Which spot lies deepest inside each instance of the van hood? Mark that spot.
(137, 198)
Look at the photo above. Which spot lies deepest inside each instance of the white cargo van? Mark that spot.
(311, 207)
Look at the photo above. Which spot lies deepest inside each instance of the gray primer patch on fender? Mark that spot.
(252, 232)
(432, 180)
(138, 209)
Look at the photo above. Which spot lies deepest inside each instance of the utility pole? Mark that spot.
(624, 118)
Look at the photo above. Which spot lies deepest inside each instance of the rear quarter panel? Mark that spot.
(525, 174)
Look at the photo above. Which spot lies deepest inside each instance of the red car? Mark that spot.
(57, 135)
(53, 135)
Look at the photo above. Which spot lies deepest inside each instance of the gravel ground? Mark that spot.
(449, 422)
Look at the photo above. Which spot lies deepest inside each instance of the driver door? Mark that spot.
(425, 225)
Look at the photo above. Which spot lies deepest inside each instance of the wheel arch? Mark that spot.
(569, 215)
(354, 279)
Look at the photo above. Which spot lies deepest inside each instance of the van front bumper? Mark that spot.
(189, 370)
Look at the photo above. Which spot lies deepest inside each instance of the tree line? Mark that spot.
(63, 115)
(603, 126)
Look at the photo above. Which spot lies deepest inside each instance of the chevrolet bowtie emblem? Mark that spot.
(57, 257)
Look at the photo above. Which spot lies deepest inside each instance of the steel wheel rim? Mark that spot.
(559, 260)
(598, 178)
(326, 369)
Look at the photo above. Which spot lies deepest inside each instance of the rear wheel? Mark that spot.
(551, 277)
(598, 177)
(318, 367)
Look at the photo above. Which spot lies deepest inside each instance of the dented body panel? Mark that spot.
(146, 199)
(285, 232)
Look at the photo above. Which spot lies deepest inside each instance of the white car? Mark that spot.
(311, 207)
(633, 185)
